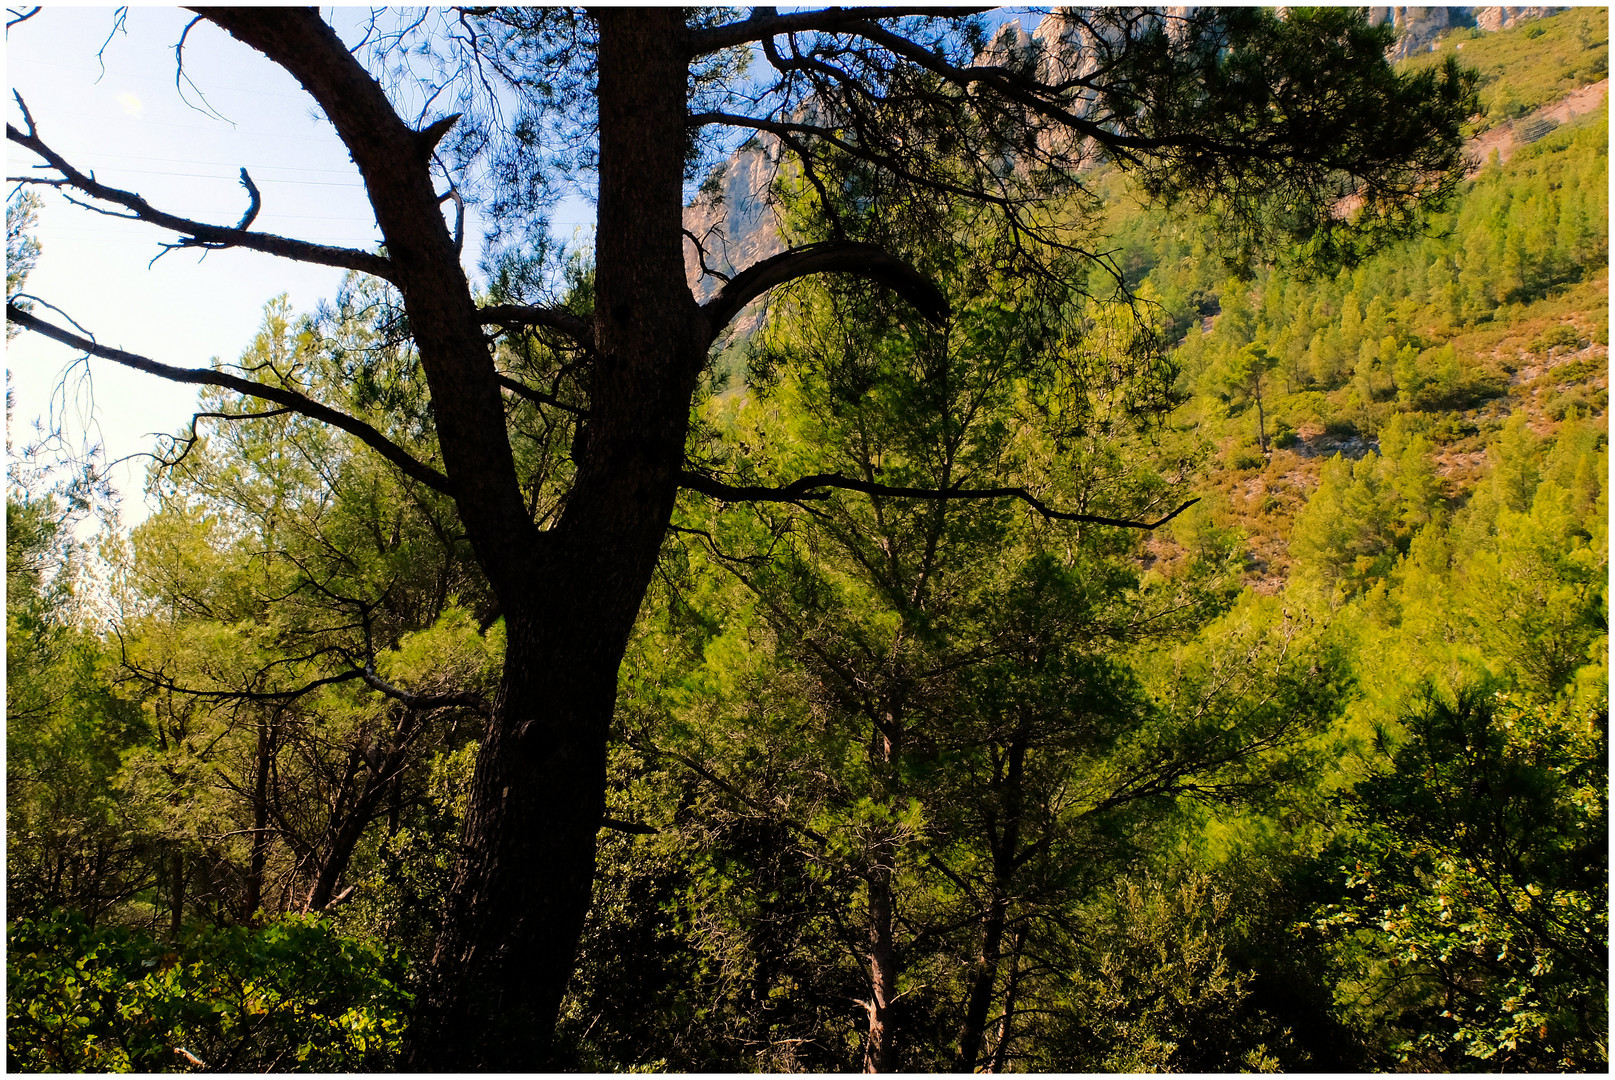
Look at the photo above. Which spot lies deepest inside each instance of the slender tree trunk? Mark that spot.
(1005, 844)
(253, 898)
(383, 775)
(880, 1047)
(523, 884)
(1261, 420)
(1006, 1024)
(345, 838)
(176, 893)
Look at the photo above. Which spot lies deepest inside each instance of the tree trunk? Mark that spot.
(982, 980)
(1006, 1025)
(525, 875)
(253, 898)
(523, 879)
(880, 1046)
(1261, 419)
(346, 836)
(176, 893)
(1005, 845)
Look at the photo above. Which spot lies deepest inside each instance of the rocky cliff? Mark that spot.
(1419, 27)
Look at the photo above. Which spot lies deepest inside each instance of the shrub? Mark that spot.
(289, 995)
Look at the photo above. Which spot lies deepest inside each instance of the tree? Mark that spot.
(1275, 120)
(274, 603)
(1244, 375)
(1475, 873)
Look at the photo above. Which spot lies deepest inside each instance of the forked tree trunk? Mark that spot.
(523, 884)
(1006, 1022)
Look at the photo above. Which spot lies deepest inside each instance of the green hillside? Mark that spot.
(1501, 309)
(1531, 65)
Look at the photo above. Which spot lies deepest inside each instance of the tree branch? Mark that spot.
(475, 702)
(829, 256)
(567, 323)
(766, 22)
(810, 488)
(538, 397)
(411, 466)
(628, 827)
(197, 233)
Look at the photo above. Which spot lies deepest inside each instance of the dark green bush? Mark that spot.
(289, 995)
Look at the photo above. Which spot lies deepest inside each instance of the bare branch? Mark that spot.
(433, 133)
(475, 702)
(701, 258)
(551, 318)
(538, 397)
(811, 488)
(20, 16)
(411, 467)
(830, 256)
(628, 827)
(182, 80)
(256, 200)
(284, 697)
(766, 22)
(196, 233)
(191, 440)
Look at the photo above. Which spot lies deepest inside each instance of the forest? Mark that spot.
(1309, 774)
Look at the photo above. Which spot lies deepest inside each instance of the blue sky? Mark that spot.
(132, 127)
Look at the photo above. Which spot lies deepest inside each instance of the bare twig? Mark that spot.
(196, 233)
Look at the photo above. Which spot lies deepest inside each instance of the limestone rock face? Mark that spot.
(1501, 18)
(1418, 26)
(733, 217)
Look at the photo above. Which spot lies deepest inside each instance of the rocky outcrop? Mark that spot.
(1492, 19)
(732, 219)
(1419, 27)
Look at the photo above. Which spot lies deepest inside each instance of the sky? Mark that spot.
(182, 149)
(136, 131)
(122, 116)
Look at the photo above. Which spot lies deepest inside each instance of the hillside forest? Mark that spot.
(1313, 776)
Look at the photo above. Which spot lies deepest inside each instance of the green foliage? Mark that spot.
(22, 250)
(1156, 991)
(69, 839)
(1432, 325)
(1296, 79)
(1475, 924)
(290, 995)
(284, 561)
(1070, 771)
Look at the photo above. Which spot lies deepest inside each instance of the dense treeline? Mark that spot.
(896, 784)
